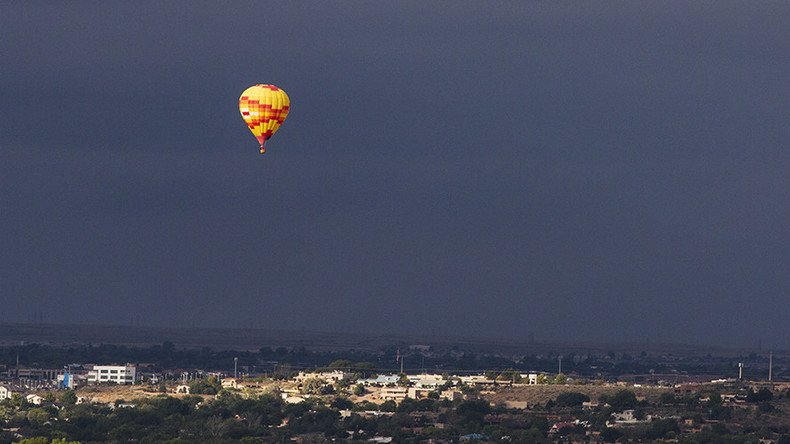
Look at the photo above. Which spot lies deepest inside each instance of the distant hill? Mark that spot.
(253, 339)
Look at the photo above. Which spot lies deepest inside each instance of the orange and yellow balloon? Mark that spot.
(264, 108)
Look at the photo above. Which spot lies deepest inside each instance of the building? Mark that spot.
(380, 380)
(426, 381)
(71, 381)
(478, 380)
(452, 395)
(393, 393)
(119, 374)
(418, 393)
(5, 393)
(328, 377)
(232, 383)
(531, 378)
(34, 399)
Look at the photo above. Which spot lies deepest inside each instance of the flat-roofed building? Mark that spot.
(119, 374)
(5, 392)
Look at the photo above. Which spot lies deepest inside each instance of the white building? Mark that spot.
(426, 381)
(232, 383)
(119, 374)
(380, 380)
(328, 377)
(531, 378)
(34, 399)
(5, 393)
(476, 380)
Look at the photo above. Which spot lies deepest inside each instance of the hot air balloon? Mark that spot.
(264, 108)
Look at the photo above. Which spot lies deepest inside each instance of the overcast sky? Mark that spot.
(581, 170)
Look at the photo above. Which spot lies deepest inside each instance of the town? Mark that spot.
(399, 393)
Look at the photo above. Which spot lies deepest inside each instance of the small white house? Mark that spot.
(34, 399)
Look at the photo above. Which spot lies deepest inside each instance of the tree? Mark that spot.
(359, 390)
(68, 397)
(765, 407)
(388, 406)
(37, 416)
(560, 379)
(622, 400)
(761, 396)
(571, 399)
(36, 440)
(206, 386)
(473, 412)
(342, 404)
(667, 398)
(610, 434)
(660, 428)
(340, 364)
(313, 386)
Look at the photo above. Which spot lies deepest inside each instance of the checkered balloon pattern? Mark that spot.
(264, 108)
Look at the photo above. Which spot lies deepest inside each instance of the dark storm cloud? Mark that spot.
(598, 170)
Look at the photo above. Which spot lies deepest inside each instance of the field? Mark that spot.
(540, 394)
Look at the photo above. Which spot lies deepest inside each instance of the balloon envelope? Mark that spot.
(264, 108)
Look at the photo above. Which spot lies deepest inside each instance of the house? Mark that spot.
(477, 380)
(452, 395)
(328, 377)
(72, 380)
(232, 383)
(590, 405)
(628, 417)
(393, 393)
(520, 405)
(5, 392)
(557, 427)
(119, 374)
(34, 399)
(530, 378)
(380, 380)
(473, 437)
(418, 393)
(426, 381)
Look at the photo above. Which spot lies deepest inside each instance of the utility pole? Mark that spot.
(559, 370)
(770, 365)
(235, 367)
(740, 371)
